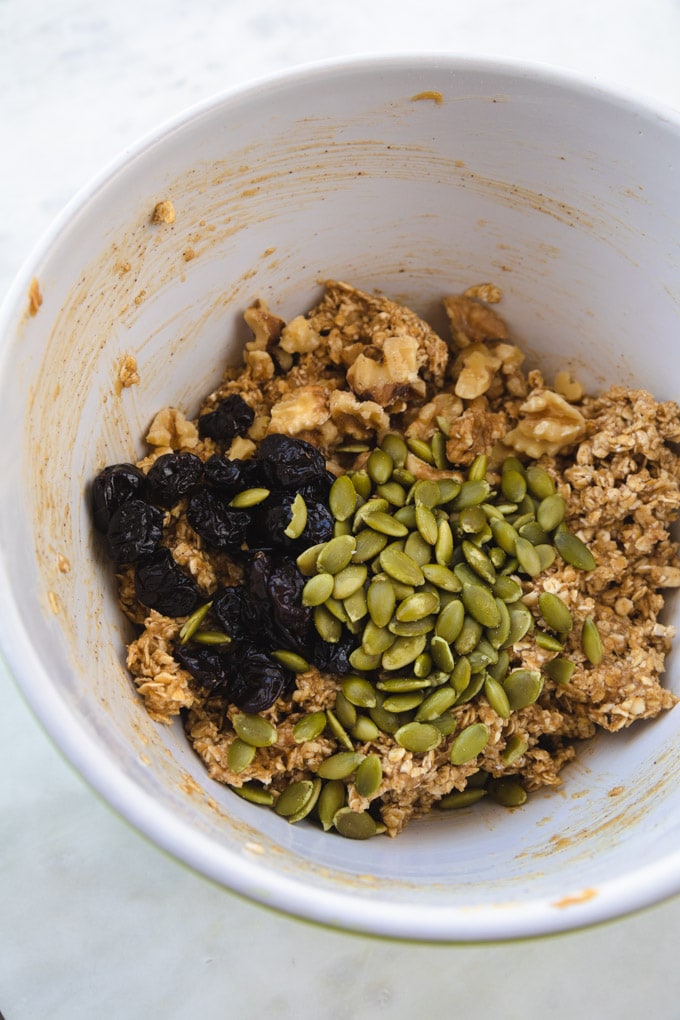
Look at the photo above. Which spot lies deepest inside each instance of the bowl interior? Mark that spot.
(416, 178)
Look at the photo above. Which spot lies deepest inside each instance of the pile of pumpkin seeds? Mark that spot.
(429, 576)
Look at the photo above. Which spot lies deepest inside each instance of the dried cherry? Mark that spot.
(161, 584)
(232, 417)
(218, 524)
(134, 531)
(289, 463)
(112, 487)
(256, 681)
(172, 476)
(275, 588)
(270, 520)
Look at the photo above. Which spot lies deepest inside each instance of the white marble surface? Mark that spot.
(93, 920)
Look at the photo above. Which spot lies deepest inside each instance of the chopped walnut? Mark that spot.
(171, 429)
(260, 364)
(477, 430)
(474, 371)
(548, 424)
(164, 212)
(445, 408)
(471, 321)
(266, 327)
(489, 293)
(298, 337)
(568, 387)
(302, 410)
(357, 418)
(392, 381)
(127, 373)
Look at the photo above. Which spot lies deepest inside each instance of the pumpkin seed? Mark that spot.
(422, 665)
(446, 723)
(404, 702)
(317, 589)
(362, 483)
(388, 722)
(469, 743)
(421, 449)
(240, 755)
(550, 511)
(403, 651)
(435, 704)
(473, 688)
(534, 533)
(327, 626)
(521, 622)
(309, 727)
(479, 561)
(513, 485)
(417, 548)
(499, 634)
(574, 551)
(507, 792)
(364, 730)
(336, 554)
(364, 661)
(442, 654)
(497, 697)
(461, 674)
(395, 446)
(355, 824)
(527, 556)
(193, 622)
(539, 482)
(381, 601)
(331, 799)
(499, 669)
(376, 640)
(426, 524)
(290, 660)
(507, 588)
(546, 556)
(522, 687)
(401, 685)
(338, 730)
(417, 606)
(472, 492)
(379, 466)
(480, 603)
(406, 515)
(478, 468)
(450, 621)
(369, 776)
(355, 605)
(411, 628)
(211, 637)
(441, 576)
(591, 642)
(469, 636)
(298, 519)
(401, 567)
(418, 737)
(337, 609)
(359, 691)
(403, 476)
(369, 544)
(438, 446)
(345, 711)
(458, 799)
(443, 547)
(348, 580)
(381, 521)
(448, 490)
(547, 641)
(255, 793)
(393, 492)
(306, 561)
(559, 670)
(254, 729)
(342, 498)
(339, 765)
(482, 656)
(294, 798)
(514, 749)
(249, 497)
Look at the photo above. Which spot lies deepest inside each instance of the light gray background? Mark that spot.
(93, 920)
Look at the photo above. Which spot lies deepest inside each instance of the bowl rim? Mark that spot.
(514, 919)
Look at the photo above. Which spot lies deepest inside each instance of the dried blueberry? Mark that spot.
(290, 463)
(232, 417)
(112, 487)
(161, 584)
(256, 681)
(172, 476)
(219, 525)
(135, 530)
(275, 595)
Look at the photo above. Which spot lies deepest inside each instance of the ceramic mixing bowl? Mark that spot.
(416, 176)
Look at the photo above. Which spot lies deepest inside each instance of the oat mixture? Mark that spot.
(347, 743)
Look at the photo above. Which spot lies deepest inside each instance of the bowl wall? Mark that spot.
(416, 177)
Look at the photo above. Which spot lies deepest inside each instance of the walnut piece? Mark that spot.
(471, 321)
(302, 410)
(164, 212)
(357, 418)
(475, 369)
(298, 337)
(171, 429)
(548, 424)
(445, 406)
(394, 379)
(265, 326)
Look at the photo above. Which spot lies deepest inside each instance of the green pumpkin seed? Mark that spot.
(435, 704)
(417, 606)
(254, 729)
(193, 622)
(240, 755)
(442, 577)
(294, 798)
(418, 737)
(546, 556)
(376, 640)
(381, 601)
(249, 497)
(574, 551)
(443, 547)
(379, 466)
(309, 727)
(473, 688)
(327, 626)
(348, 580)
(403, 651)
(478, 468)
(450, 621)
(404, 702)
(547, 641)
(559, 670)
(342, 498)
(345, 711)
(355, 824)
(298, 519)
(446, 723)
(426, 524)
(469, 743)
(338, 730)
(438, 446)
(411, 628)
(527, 556)
(469, 636)
(417, 548)
(306, 561)
(461, 674)
(388, 722)
(364, 661)
(211, 637)
(550, 511)
(369, 776)
(482, 656)
(386, 525)
(479, 561)
(480, 603)
(497, 697)
(513, 485)
(507, 792)
(362, 483)
(499, 669)
(472, 520)
(539, 482)
(340, 765)
(514, 749)
(407, 516)
(421, 449)
(458, 799)
(472, 492)
(401, 685)
(356, 606)
(331, 799)
(426, 492)
(507, 589)
(393, 492)
(401, 567)
(364, 730)
(395, 446)
(498, 635)
(448, 490)
(317, 589)
(337, 610)
(534, 533)
(522, 687)
(290, 660)
(255, 793)
(521, 622)
(336, 554)
(369, 544)
(359, 691)
(591, 642)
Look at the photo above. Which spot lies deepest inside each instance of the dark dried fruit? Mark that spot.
(112, 487)
(224, 474)
(290, 463)
(233, 611)
(334, 658)
(270, 520)
(209, 666)
(275, 588)
(256, 681)
(219, 525)
(173, 476)
(161, 584)
(232, 417)
(135, 531)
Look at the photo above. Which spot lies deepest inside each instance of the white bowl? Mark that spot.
(417, 176)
